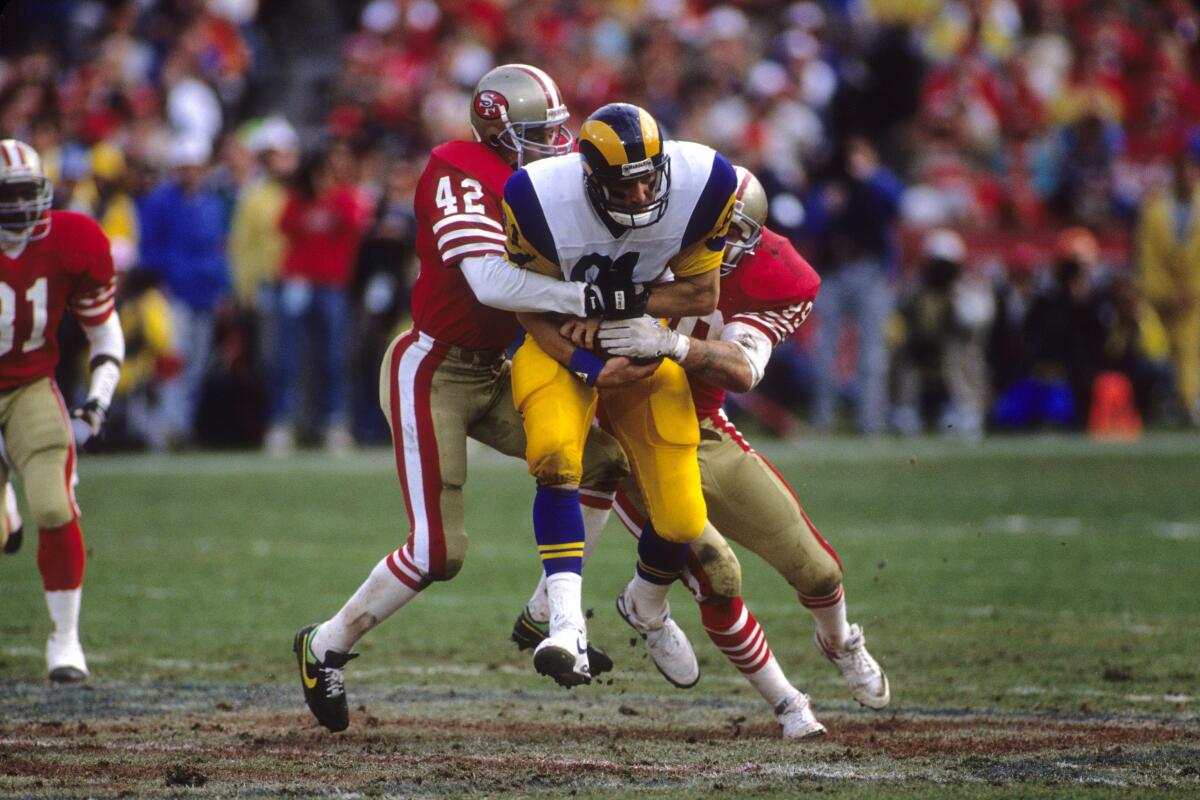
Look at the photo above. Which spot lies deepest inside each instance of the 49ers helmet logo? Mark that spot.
(489, 104)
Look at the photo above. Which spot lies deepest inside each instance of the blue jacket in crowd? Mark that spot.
(848, 220)
(183, 241)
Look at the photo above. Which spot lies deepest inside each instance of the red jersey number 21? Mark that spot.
(36, 296)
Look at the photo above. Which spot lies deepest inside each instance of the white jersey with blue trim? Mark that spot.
(559, 223)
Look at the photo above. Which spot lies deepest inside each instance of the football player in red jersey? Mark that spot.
(51, 261)
(767, 291)
(448, 378)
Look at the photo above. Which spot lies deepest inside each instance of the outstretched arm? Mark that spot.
(497, 283)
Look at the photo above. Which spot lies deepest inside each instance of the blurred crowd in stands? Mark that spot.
(1002, 196)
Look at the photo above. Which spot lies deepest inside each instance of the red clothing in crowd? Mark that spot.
(323, 235)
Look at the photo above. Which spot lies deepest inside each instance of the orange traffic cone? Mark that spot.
(1114, 417)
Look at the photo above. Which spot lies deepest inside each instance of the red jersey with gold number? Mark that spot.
(72, 267)
(458, 211)
(769, 293)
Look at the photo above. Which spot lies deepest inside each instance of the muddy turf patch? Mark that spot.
(223, 740)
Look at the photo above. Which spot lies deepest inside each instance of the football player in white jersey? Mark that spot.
(644, 219)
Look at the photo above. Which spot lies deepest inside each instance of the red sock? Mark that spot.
(735, 631)
(60, 557)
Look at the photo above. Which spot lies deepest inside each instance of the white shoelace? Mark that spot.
(335, 682)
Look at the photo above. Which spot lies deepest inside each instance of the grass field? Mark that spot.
(1033, 600)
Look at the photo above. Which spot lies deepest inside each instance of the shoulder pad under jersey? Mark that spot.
(775, 275)
(477, 160)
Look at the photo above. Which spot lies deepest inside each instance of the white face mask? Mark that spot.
(641, 216)
(25, 203)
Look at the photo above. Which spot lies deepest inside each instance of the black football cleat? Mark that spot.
(528, 633)
(323, 682)
(13, 543)
(67, 676)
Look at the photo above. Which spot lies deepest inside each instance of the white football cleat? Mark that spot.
(338, 439)
(796, 716)
(668, 644)
(10, 526)
(280, 441)
(563, 656)
(863, 675)
(65, 661)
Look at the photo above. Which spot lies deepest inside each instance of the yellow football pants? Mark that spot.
(654, 421)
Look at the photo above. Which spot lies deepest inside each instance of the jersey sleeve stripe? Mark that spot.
(714, 203)
(474, 247)
(96, 315)
(469, 233)
(96, 297)
(456, 218)
(523, 203)
(767, 330)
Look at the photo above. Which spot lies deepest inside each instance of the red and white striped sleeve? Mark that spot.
(96, 306)
(460, 236)
(777, 324)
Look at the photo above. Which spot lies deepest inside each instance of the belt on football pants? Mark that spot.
(475, 358)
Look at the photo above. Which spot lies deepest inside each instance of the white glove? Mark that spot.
(642, 337)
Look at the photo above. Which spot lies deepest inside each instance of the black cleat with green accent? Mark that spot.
(528, 633)
(323, 682)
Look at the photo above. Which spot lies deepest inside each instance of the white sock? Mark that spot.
(594, 520)
(565, 593)
(64, 612)
(649, 600)
(539, 602)
(381, 595)
(771, 683)
(12, 515)
(832, 627)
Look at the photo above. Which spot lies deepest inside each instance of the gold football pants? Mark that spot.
(654, 421)
(750, 504)
(37, 437)
(434, 397)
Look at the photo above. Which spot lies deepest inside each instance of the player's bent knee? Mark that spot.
(556, 469)
(826, 582)
(51, 516)
(449, 570)
(683, 526)
(721, 569)
(49, 506)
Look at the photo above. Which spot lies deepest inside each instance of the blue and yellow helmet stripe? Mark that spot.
(617, 134)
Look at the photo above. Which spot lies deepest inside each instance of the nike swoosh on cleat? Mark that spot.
(310, 683)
